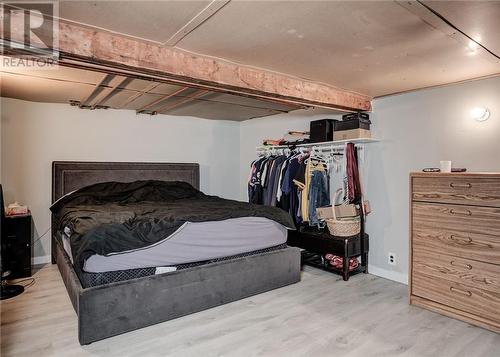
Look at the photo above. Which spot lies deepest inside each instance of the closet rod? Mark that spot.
(283, 152)
(337, 143)
(332, 149)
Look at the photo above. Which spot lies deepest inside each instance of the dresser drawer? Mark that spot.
(462, 297)
(457, 190)
(463, 271)
(464, 219)
(468, 245)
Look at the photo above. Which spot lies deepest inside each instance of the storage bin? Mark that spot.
(343, 227)
(322, 130)
(352, 134)
(355, 116)
(352, 124)
(341, 211)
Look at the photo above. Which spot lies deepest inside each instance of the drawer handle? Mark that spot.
(466, 266)
(461, 240)
(458, 185)
(461, 213)
(459, 291)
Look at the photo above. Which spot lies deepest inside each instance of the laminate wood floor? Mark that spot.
(320, 316)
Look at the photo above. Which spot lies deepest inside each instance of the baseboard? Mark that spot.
(383, 273)
(40, 260)
(388, 274)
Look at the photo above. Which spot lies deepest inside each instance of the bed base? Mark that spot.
(109, 310)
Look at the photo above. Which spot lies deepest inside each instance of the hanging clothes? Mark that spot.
(301, 182)
(284, 181)
(353, 183)
(272, 182)
(313, 165)
(254, 185)
(319, 195)
(291, 190)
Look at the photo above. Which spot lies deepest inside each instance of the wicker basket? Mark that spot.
(344, 227)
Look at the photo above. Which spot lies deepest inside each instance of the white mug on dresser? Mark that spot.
(445, 166)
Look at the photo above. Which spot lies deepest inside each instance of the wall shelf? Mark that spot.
(326, 143)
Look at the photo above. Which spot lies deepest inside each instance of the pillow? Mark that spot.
(127, 192)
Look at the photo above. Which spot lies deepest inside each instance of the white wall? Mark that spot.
(416, 130)
(35, 134)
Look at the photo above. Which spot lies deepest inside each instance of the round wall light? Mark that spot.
(480, 113)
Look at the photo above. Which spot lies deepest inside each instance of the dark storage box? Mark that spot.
(353, 116)
(352, 124)
(322, 130)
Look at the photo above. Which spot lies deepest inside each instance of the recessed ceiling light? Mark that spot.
(480, 113)
(473, 47)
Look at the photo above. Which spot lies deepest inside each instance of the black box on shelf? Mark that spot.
(322, 130)
(352, 124)
(356, 116)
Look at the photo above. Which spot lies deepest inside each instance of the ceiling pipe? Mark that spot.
(133, 97)
(85, 103)
(117, 89)
(159, 100)
(185, 100)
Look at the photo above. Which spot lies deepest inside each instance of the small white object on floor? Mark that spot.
(161, 270)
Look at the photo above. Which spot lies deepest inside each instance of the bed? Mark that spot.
(114, 306)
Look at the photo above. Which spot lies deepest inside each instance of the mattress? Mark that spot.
(95, 279)
(192, 242)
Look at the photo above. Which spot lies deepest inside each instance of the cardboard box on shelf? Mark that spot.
(352, 134)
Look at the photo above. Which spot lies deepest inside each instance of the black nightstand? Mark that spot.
(17, 246)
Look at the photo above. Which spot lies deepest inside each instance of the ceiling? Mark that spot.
(375, 48)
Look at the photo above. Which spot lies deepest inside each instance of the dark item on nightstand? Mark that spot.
(16, 244)
(6, 291)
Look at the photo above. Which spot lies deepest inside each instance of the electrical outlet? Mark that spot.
(391, 259)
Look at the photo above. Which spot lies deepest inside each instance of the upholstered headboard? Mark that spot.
(68, 176)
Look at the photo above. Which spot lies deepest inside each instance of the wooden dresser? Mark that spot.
(455, 245)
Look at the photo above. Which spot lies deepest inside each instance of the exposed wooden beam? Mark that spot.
(91, 47)
(167, 107)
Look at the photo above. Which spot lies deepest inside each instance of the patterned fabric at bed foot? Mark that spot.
(96, 279)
